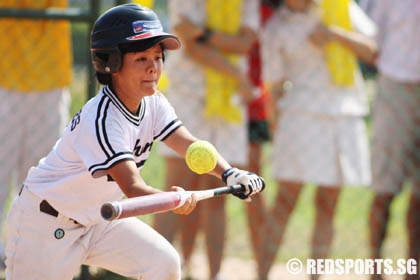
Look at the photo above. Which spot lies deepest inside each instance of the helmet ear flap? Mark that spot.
(106, 61)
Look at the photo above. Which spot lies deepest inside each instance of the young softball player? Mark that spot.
(54, 225)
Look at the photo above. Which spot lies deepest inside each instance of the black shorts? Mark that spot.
(258, 131)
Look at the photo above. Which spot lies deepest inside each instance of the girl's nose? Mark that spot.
(152, 68)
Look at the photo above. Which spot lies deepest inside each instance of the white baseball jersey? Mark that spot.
(72, 178)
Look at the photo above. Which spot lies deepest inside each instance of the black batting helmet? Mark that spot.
(128, 25)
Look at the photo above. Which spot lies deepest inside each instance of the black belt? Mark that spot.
(46, 208)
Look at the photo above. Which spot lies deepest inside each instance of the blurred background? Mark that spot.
(351, 219)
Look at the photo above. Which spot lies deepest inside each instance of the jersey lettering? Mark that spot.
(139, 150)
(75, 121)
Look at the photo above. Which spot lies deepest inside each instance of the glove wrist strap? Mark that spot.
(227, 173)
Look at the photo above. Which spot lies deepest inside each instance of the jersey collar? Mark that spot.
(134, 118)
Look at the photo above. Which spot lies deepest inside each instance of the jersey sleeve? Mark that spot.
(166, 120)
(101, 141)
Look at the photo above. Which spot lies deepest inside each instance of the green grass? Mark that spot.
(78, 90)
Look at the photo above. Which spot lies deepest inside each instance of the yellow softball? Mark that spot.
(201, 157)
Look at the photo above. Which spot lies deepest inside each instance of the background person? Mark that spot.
(320, 135)
(396, 125)
(209, 88)
(258, 136)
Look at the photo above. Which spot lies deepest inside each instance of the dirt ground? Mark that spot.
(242, 269)
(234, 268)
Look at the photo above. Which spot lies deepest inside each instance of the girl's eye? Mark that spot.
(157, 58)
(141, 59)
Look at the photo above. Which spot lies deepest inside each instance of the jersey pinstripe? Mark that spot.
(102, 134)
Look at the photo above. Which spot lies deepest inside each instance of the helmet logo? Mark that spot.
(146, 25)
(143, 35)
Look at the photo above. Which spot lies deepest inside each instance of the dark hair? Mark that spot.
(106, 78)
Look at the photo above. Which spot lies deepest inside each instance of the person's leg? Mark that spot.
(388, 157)
(413, 228)
(131, 248)
(189, 228)
(254, 157)
(378, 221)
(413, 211)
(257, 224)
(325, 202)
(276, 222)
(256, 210)
(214, 226)
(230, 139)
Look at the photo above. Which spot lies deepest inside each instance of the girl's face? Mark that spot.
(300, 6)
(140, 71)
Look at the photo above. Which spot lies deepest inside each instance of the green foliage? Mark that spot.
(80, 38)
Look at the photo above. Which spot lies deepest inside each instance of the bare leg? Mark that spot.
(378, 219)
(256, 210)
(214, 218)
(257, 229)
(325, 200)
(254, 158)
(413, 227)
(277, 220)
(190, 226)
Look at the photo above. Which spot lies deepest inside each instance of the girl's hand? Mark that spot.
(189, 204)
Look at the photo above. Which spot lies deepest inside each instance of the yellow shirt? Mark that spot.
(222, 16)
(36, 54)
(341, 61)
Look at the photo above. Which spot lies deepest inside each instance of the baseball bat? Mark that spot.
(159, 202)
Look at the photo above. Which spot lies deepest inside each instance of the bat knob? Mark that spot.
(110, 210)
